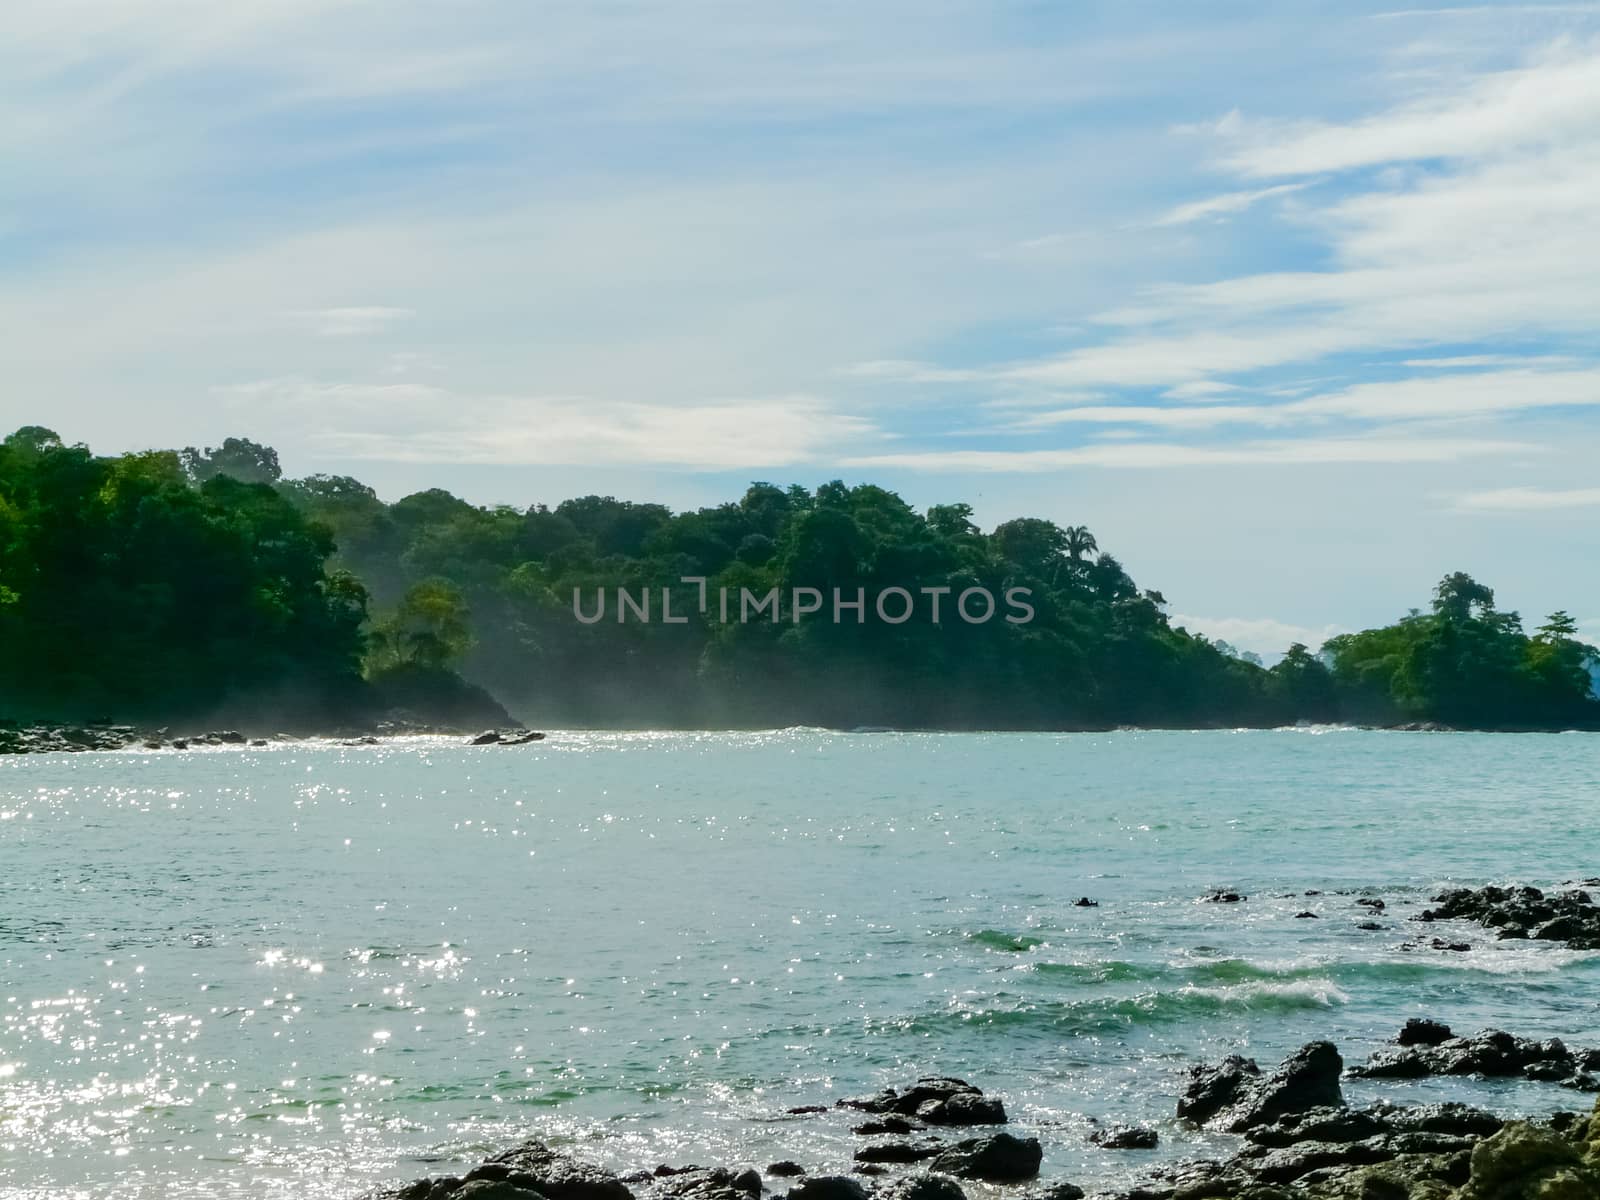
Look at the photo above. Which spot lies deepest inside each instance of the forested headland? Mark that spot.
(178, 584)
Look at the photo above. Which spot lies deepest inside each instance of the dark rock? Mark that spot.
(1308, 915)
(888, 1125)
(1212, 1089)
(896, 1152)
(1225, 898)
(1125, 1137)
(1085, 902)
(1319, 1125)
(1491, 1053)
(1456, 947)
(998, 1158)
(804, 1110)
(487, 738)
(492, 1189)
(923, 1186)
(1369, 925)
(1420, 1031)
(828, 1187)
(785, 1169)
(523, 738)
(1057, 1191)
(964, 1108)
(1235, 1096)
(560, 1177)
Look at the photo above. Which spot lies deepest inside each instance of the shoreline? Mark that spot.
(48, 737)
(1298, 1139)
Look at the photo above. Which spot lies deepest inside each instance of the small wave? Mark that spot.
(1087, 1018)
(999, 939)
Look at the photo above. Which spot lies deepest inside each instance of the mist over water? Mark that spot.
(307, 969)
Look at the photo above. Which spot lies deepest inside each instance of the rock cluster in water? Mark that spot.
(1569, 917)
(1301, 1142)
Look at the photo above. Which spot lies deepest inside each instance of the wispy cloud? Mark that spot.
(1529, 500)
(353, 322)
(1226, 204)
(1261, 635)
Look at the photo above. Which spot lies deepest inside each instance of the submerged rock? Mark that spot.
(998, 1158)
(1125, 1137)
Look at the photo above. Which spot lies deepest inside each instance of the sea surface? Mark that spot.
(308, 969)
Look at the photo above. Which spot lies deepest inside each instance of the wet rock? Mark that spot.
(1308, 915)
(785, 1168)
(559, 1176)
(897, 1152)
(1492, 1053)
(1213, 1089)
(523, 738)
(1374, 905)
(803, 1110)
(1225, 898)
(700, 1183)
(1085, 902)
(1369, 925)
(1420, 1031)
(963, 1108)
(487, 738)
(1057, 1191)
(1125, 1137)
(828, 1187)
(1570, 917)
(890, 1124)
(1331, 1125)
(1236, 1097)
(492, 1189)
(924, 1186)
(998, 1158)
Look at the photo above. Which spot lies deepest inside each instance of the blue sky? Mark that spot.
(1294, 305)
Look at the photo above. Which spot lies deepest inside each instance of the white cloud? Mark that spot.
(1550, 101)
(406, 422)
(1262, 635)
(1470, 395)
(1152, 455)
(1529, 499)
(1224, 205)
(355, 321)
(1205, 417)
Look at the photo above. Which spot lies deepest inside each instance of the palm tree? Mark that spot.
(1080, 542)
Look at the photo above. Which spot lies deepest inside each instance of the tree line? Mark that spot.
(173, 583)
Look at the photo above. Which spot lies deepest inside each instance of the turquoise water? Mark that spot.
(307, 969)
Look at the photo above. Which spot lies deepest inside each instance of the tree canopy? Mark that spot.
(171, 582)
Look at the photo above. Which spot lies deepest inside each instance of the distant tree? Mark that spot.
(237, 458)
(429, 629)
(1079, 542)
(1459, 596)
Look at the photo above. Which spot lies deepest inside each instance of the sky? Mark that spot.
(1296, 306)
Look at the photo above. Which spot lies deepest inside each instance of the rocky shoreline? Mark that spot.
(76, 739)
(1300, 1141)
(1298, 1138)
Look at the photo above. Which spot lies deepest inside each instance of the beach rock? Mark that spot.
(998, 1158)
(923, 1186)
(559, 1176)
(1236, 1097)
(1225, 898)
(487, 738)
(1525, 1162)
(1320, 1125)
(890, 1124)
(803, 1110)
(1061, 1190)
(1492, 1053)
(828, 1187)
(1212, 1089)
(1308, 915)
(523, 738)
(1570, 917)
(700, 1183)
(1125, 1137)
(897, 1152)
(492, 1189)
(1420, 1031)
(1085, 902)
(963, 1108)
(785, 1168)
(1369, 925)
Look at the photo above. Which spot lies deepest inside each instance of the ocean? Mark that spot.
(309, 969)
